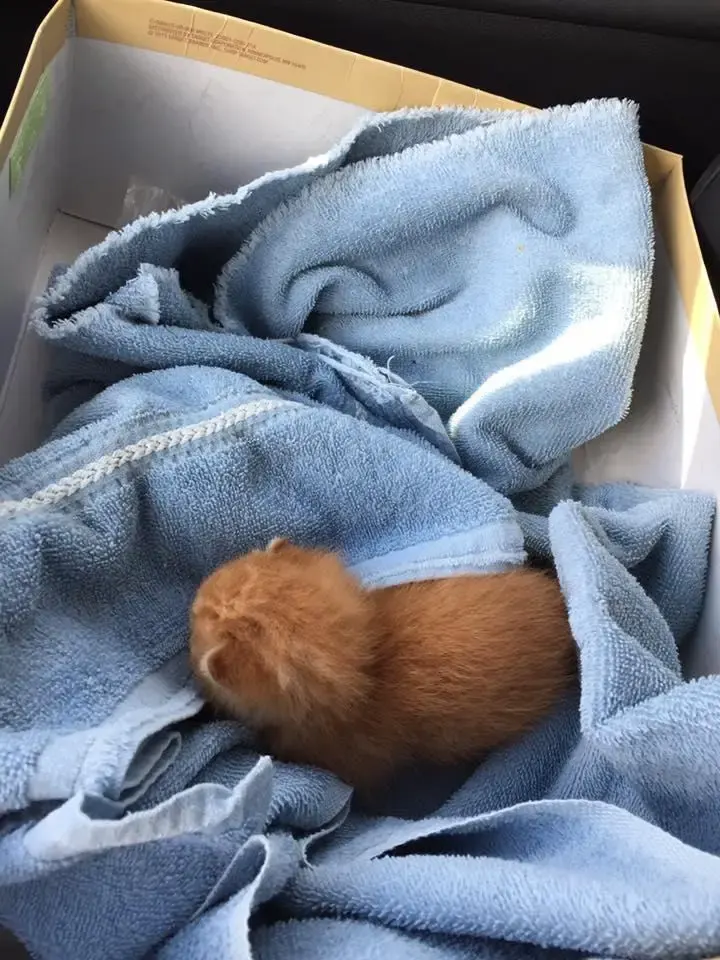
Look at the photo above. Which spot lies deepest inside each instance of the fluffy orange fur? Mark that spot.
(363, 682)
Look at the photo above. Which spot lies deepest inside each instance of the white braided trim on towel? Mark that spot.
(157, 443)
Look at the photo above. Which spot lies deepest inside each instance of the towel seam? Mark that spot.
(135, 420)
(109, 463)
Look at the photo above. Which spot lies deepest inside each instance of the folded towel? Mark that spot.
(499, 263)
(234, 358)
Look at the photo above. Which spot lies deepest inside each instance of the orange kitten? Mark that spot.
(363, 682)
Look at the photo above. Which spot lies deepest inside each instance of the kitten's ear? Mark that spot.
(277, 544)
(222, 661)
(215, 666)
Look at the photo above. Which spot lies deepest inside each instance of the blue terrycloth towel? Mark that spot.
(392, 350)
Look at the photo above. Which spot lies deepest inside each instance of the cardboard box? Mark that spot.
(191, 101)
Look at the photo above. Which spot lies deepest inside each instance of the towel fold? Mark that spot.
(498, 263)
(391, 350)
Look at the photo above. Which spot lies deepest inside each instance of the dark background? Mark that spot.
(665, 54)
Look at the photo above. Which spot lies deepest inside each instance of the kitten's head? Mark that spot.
(283, 636)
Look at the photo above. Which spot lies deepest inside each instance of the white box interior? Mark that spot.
(116, 114)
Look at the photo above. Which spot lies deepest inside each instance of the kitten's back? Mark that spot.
(473, 662)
